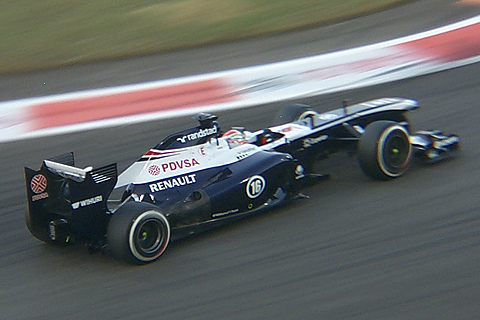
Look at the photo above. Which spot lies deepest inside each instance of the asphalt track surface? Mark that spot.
(357, 249)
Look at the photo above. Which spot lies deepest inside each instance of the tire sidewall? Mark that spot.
(292, 113)
(123, 228)
(371, 150)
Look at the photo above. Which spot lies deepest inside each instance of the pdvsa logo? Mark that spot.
(38, 184)
(179, 164)
(154, 170)
(171, 166)
(255, 186)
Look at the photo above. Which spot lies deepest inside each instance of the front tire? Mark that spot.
(138, 233)
(384, 150)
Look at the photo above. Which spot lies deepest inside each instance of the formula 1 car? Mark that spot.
(202, 177)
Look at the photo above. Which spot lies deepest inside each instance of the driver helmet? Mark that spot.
(235, 138)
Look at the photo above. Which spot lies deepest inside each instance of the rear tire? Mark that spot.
(384, 150)
(293, 113)
(138, 233)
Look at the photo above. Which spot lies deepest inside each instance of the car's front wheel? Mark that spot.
(138, 232)
(384, 150)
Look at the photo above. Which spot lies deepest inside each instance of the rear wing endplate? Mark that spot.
(59, 190)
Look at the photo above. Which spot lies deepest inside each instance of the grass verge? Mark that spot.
(53, 33)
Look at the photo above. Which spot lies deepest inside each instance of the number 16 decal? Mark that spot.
(255, 186)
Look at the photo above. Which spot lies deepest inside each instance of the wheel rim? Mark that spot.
(149, 237)
(395, 151)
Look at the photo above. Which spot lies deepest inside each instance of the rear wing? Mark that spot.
(59, 191)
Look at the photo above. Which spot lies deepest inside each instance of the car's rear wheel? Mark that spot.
(384, 150)
(138, 233)
(293, 113)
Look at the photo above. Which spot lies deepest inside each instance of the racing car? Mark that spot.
(203, 177)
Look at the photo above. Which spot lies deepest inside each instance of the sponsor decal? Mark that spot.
(255, 186)
(38, 184)
(308, 142)
(40, 196)
(179, 164)
(154, 170)
(87, 202)
(201, 133)
(173, 183)
(221, 214)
